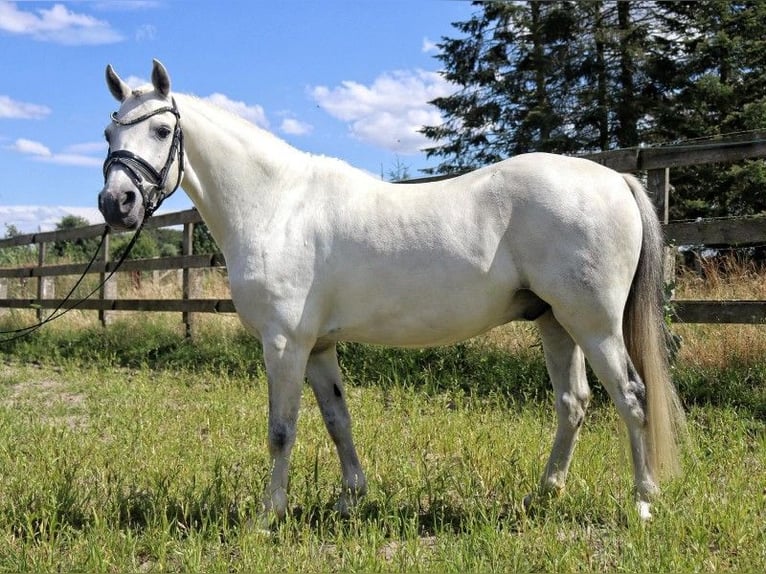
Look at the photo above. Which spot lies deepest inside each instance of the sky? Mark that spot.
(343, 78)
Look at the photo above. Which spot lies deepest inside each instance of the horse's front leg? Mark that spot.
(285, 362)
(324, 376)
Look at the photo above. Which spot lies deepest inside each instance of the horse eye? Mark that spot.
(163, 132)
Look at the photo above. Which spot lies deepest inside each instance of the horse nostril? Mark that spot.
(128, 199)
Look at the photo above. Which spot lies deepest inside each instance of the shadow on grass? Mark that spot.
(479, 370)
(225, 518)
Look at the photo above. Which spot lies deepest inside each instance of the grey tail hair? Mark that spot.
(644, 331)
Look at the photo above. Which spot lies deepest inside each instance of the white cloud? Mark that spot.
(146, 32)
(33, 218)
(13, 109)
(56, 24)
(29, 147)
(135, 82)
(82, 155)
(295, 127)
(89, 148)
(253, 113)
(428, 46)
(389, 112)
(77, 160)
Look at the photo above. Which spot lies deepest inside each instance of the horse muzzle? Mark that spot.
(122, 209)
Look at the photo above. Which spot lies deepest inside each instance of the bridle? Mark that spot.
(150, 182)
(153, 194)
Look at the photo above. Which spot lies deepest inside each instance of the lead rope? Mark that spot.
(59, 311)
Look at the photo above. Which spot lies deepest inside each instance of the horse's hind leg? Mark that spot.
(610, 361)
(325, 379)
(566, 367)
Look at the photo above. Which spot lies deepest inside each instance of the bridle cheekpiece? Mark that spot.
(150, 182)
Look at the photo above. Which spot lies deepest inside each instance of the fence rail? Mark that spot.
(657, 161)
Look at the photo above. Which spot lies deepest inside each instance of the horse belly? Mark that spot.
(415, 314)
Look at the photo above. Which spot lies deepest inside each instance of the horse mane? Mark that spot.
(227, 119)
(243, 128)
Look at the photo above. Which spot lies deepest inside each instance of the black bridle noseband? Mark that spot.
(140, 171)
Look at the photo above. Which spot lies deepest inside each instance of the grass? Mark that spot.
(132, 449)
(141, 470)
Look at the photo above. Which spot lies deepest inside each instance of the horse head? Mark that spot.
(145, 150)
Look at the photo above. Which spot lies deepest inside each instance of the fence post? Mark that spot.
(46, 288)
(108, 288)
(4, 294)
(189, 278)
(658, 186)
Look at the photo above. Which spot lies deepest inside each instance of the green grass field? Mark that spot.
(134, 450)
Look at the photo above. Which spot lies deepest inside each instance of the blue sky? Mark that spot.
(342, 78)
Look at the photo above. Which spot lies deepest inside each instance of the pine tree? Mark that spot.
(511, 98)
(717, 88)
(573, 77)
(539, 76)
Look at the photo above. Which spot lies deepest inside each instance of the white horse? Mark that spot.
(319, 252)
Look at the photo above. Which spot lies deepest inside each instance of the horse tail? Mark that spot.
(644, 333)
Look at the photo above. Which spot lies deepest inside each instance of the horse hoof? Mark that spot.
(349, 500)
(343, 508)
(263, 524)
(273, 510)
(644, 510)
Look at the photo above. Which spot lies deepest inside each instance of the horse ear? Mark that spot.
(160, 78)
(117, 87)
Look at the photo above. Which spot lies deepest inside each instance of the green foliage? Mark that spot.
(150, 344)
(19, 255)
(168, 241)
(78, 249)
(574, 77)
(718, 85)
(11, 230)
(145, 248)
(202, 239)
(469, 369)
(539, 76)
(161, 242)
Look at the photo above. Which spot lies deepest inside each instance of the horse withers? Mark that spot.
(319, 252)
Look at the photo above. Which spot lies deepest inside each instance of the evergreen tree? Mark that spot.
(574, 77)
(539, 76)
(717, 88)
(611, 96)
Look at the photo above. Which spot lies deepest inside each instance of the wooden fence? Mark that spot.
(655, 161)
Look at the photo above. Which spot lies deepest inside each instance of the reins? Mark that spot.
(140, 171)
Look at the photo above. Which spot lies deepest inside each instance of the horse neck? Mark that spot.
(233, 169)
